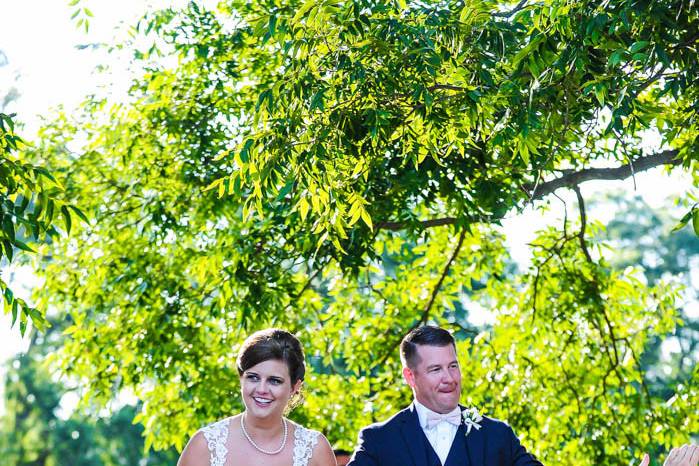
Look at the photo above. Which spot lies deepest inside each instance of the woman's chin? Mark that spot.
(262, 412)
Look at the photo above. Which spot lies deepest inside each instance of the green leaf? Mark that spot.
(695, 221)
(616, 57)
(23, 246)
(303, 10)
(638, 46)
(523, 150)
(303, 208)
(9, 250)
(527, 49)
(245, 151)
(9, 296)
(286, 189)
(317, 100)
(45, 173)
(15, 311)
(367, 218)
(79, 213)
(600, 93)
(683, 221)
(66, 218)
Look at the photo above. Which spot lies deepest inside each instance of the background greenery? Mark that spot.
(342, 169)
(37, 430)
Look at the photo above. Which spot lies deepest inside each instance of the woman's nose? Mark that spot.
(262, 387)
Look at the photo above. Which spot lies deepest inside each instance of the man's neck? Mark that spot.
(423, 408)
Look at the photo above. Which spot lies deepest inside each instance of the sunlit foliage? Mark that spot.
(340, 169)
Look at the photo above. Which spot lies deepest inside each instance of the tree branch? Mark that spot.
(428, 307)
(397, 226)
(448, 87)
(572, 179)
(583, 223)
(426, 311)
(507, 14)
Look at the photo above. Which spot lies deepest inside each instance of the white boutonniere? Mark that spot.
(471, 418)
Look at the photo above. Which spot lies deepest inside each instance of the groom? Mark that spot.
(435, 430)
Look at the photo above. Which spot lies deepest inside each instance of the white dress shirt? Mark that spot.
(440, 436)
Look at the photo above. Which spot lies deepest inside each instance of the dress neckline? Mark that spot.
(217, 435)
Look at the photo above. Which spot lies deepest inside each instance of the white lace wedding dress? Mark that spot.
(216, 435)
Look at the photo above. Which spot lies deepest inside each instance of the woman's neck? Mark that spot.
(267, 427)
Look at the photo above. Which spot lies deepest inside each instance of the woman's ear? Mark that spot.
(297, 387)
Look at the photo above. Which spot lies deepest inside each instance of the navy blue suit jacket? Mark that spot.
(400, 441)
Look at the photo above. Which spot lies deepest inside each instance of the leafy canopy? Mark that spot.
(29, 209)
(340, 169)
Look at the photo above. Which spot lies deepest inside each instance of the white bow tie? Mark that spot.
(433, 418)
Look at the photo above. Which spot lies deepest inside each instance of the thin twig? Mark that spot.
(583, 223)
(426, 311)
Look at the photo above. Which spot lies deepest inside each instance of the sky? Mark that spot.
(48, 68)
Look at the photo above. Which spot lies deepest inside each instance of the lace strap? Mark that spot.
(216, 435)
(304, 442)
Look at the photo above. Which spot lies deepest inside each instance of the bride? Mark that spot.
(271, 368)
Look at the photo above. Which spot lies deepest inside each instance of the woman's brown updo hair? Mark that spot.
(273, 344)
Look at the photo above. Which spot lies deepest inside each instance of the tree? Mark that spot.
(29, 206)
(638, 237)
(340, 169)
(34, 432)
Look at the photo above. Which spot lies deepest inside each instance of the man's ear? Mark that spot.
(408, 376)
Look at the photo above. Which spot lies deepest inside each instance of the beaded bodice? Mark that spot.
(216, 436)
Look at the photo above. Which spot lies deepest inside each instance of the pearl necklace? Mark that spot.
(262, 450)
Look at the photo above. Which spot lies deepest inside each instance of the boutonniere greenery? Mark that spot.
(471, 418)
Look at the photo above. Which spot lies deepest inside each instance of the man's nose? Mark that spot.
(448, 377)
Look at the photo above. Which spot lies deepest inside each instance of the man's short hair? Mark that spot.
(428, 335)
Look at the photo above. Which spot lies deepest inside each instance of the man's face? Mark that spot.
(436, 378)
(342, 460)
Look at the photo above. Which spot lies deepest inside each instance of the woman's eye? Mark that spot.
(252, 377)
(275, 381)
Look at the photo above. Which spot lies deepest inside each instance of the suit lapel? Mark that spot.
(413, 436)
(475, 445)
(458, 454)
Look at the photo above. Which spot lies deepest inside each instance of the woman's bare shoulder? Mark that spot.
(323, 453)
(196, 453)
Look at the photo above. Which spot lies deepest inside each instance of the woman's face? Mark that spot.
(267, 388)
